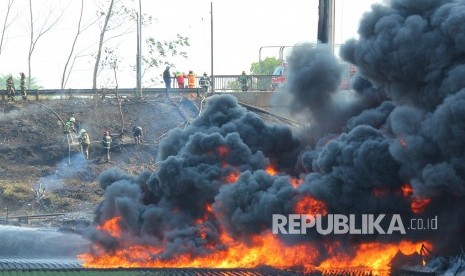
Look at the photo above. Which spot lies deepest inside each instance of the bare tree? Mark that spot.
(80, 29)
(6, 24)
(111, 61)
(34, 37)
(72, 47)
(100, 44)
(115, 25)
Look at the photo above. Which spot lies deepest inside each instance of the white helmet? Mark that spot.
(72, 119)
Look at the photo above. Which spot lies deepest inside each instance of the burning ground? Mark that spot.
(395, 147)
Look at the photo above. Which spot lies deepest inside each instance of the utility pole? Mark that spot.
(139, 52)
(326, 22)
(212, 76)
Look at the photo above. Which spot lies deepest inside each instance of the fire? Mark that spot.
(265, 249)
(295, 182)
(231, 177)
(417, 204)
(310, 206)
(111, 227)
(271, 170)
(373, 256)
(222, 151)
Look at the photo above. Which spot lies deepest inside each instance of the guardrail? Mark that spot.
(26, 218)
(222, 83)
(232, 83)
(70, 93)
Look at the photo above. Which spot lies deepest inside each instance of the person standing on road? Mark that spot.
(204, 82)
(244, 81)
(167, 79)
(10, 87)
(106, 145)
(137, 132)
(22, 85)
(84, 138)
(180, 79)
(191, 79)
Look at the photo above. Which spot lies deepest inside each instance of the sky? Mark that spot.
(240, 29)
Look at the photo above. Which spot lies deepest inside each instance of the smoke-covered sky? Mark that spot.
(405, 125)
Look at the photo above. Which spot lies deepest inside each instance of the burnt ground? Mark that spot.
(40, 174)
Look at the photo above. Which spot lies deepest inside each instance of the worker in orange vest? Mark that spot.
(191, 79)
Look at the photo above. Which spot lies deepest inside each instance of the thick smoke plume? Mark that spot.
(406, 127)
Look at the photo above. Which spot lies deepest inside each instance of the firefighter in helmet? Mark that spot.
(204, 82)
(84, 139)
(106, 145)
(10, 87)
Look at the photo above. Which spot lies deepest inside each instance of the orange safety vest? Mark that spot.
(191, 80)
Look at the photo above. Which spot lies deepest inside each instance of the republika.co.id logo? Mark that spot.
(365, 224)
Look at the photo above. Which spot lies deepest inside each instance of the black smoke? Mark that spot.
(406, 126)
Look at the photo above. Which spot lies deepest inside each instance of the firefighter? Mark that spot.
(204, 82)
(137, 132)
(106, 145)
(22, 85)
(70, 129)
(10, 87)
(84, 138)
(244, 81)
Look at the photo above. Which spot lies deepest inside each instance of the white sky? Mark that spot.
(241, 27)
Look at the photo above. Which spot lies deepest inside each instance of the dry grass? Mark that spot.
(15, 192)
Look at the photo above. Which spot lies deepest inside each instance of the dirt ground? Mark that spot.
(41, 174)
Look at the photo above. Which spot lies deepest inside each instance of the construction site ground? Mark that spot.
(41, 174)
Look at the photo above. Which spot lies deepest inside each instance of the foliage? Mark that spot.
(159, 53)
(15, 192)
(265, 67)
(34, 82)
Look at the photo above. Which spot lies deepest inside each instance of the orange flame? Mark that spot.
(295, 182)
(111, 227)
(310, 206)
(231, 177)
(417, 204)
(265, 249)
(372, 256)
(271, 170)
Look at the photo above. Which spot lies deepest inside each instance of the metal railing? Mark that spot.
(222, 83)
(231, 83)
